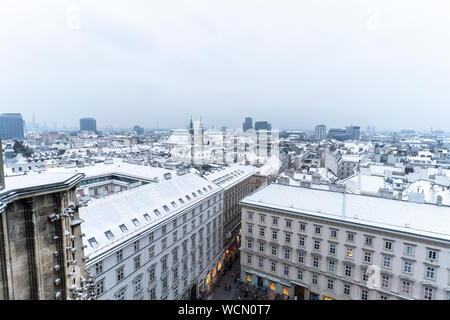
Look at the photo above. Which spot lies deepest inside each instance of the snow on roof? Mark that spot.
(430, 191)
(111, 220)
(422, 219)
(271, 167)
(230, 175)
(366, 184)
(124, 168)
(29, 181)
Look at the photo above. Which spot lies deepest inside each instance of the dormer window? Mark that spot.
(166, 207)
(109, 235)
(93, 242)
(174, 204)
(147, 217)
(136, 222)
(156, 211)
(123, 228)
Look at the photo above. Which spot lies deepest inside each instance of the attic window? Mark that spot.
(181, 200)
(123, 228)
(166, 208)
(193, 193)
(210, 188)
(147, 217)
(93, 242)
(187, 197)
(199, 191)
(109, 235)
(204, 189)
(174, 204)
(156, 211)
(136, 222)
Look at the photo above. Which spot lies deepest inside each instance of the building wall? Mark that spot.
(232, 210)
(194, 253)
(28, 247)
(398, 256)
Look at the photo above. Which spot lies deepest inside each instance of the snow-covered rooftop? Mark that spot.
(228, 176)
(112, 219)
(408, 217)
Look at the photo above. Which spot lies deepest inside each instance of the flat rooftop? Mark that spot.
(425, 220)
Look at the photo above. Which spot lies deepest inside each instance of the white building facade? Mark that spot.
(316, 244)
(158, 241)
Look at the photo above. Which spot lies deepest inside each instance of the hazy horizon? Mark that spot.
(380, 63)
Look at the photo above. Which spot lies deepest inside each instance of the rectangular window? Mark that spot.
(369, 241)
(332, 248)
(430, 273)
(316, 245)
(274, 235)
(137, 262)
(349, 253)
(409, 250)
(300, 275)
(428, 293)
(333, 234)
(331, 266)
(274, 267)
(316, 262)
(406, 286)
(387, 262)
(120, 274)
(330, 284)
(407, 267)
(388, 245)
(287, 254)
(367, 257)
(348, 271)
(286, 270)
(301, 241)
(288, 238)
(364, 294)
(432, 255)
(274, 250)
(346, 289)
(301, 257)
(317, 230)
(119, 256)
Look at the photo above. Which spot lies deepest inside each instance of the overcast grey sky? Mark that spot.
(293, 63)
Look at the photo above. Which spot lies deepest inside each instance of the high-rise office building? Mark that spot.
(11, 126)
(88, 124)
(321, 132)
(262, 125)
(248, 124)
(353, 132)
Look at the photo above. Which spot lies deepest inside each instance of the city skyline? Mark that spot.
(161, 62)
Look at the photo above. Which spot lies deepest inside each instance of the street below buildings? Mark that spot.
(230, 287)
